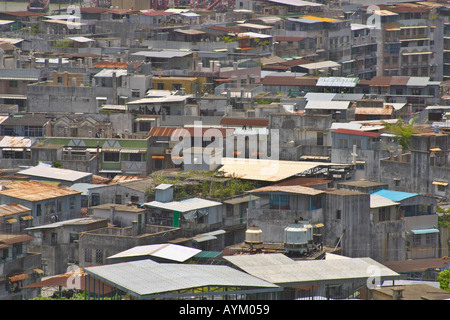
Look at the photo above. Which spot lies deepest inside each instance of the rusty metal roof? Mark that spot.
(14, 238)
(12, 208)
(245, 122)
(417, 265)
(15, 142)
(36, 191)
(184, 131)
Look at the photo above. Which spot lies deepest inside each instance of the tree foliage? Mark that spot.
(402, 131)
(444, 280)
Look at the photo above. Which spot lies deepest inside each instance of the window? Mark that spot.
(135, 93)
(136, 157)
(338, 214)
(316, 202)
(134, 199)
(430, 239)
(111, 157)
(279, 201)
(396, 182)
(357, 143)
(160, 86)
(343, 143)
(99, 256)
(95, 199)
(176, 86)
(320, 138)
(73, 237)
(72, 203)
(118, 199)
(87, 255)
(417, 240)
(157, 164)
(38, 210)
(441, 188)
(384, 214)
(13, 83)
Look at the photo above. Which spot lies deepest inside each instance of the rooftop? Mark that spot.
(395, 195)
(146, 279)
(54, 173)
(279, 269)
(288, 189)
(166, 251)
(36, 191)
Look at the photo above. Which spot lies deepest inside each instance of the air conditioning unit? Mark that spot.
(168, 151)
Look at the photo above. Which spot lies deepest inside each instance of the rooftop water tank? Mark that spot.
(298, 236)
(253, 235)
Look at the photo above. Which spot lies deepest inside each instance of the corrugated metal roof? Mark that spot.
(245, 121)
(54, 173)
(337, 82)
(288, 271)
(15, 142)
(327, 105)
(12, 208)
(36, 191)
(288, 189)
(183, 132)
(146, 279)
(377, 201)
(166, 251)
(184, 205)
(165, 54)
(266, 170)
(357, 132)
(395, 195)
(417, 264)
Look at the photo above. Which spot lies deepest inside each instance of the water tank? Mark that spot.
(253, 235)
(296, 238)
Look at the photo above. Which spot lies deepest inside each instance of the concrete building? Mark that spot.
(14, 218)
(20, 267)
(302, 136)
(363, 149)
(58, 242)
(48, 203)
(419, 213)
(120, 215)
(423, 169)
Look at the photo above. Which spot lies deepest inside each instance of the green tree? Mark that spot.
(444, 280)
(402, 131)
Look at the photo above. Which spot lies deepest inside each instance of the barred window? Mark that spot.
(87, 255)
(99, 256)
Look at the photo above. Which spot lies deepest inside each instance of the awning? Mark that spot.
(439, 183)
(110, 150)
(12, 149)
(24, 218)
(19, 277)
(38, 271)
(132, 151)
(425, 231)
(11, 221)
(145, 119)
(158, 157)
